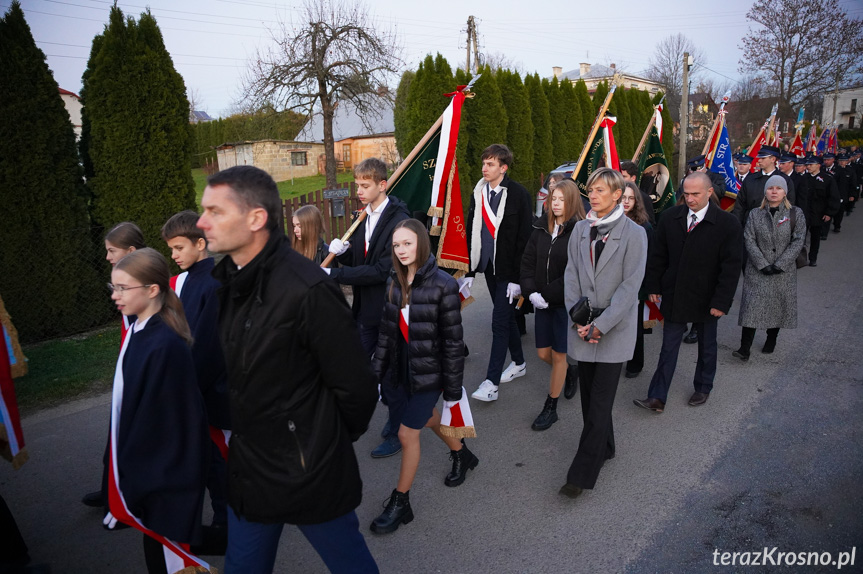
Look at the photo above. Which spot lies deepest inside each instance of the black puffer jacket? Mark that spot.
(301, 389)
(544, 262)
(436, 343)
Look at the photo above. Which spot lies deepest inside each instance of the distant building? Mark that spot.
(595, 74)
(282, 159)
(73, 107)
(702, 113)
(198, 116)
(354, 139)
(745, 118)
(849, 108)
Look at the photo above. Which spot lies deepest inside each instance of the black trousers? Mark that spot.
(815, 241)
(598, 388)
(837, 220)
(154, 555)
(636, 363)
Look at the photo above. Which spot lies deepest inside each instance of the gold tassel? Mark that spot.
(467, 302)
(435, 230)
(458, 432)
(197, 570)
(435, 211)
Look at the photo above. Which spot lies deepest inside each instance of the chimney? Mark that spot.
(613, 66)
(557, 71)
(583, 69)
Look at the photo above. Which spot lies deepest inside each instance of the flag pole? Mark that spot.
(717, 126)
(650, 124)
(399, 170)
(595, 127)
(772, 123)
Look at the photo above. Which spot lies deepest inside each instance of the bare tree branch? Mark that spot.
(666, 67)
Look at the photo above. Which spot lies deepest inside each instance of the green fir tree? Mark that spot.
(543, 160)
(559, 141)
(426, 100)
(588, 113)
(667, 135)
(52, 276)
(401, 116)
(572, 121)
(519, 129)
(139, 134)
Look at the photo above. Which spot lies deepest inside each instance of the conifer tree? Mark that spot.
(48, 261)
(140, 139)
(426, 99)
(519, 130)
(624, 130)
(559, 140)
(543, 159)
(667, 134)
(401, 112)
(465, 165)
(599, 97)
(572, 122)
(588, 113)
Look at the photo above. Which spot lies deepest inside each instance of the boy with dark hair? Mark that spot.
(366, 264)
(499, 226)
(196, 288)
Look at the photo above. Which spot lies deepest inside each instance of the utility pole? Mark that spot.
(684, 118)
(475, 49)
(835, 97)
(469, 32)
(471, 40)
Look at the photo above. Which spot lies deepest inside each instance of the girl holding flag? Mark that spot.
(421, 343)
(159, 448)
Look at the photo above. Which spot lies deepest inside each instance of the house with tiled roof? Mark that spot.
(595, 74)
(73, 107)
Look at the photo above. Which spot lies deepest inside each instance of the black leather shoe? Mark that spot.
(691, 337)
(654, 405)
(93, 499)
(547, 417)
(214, 542)
(631, 374)
(769, 345)
(571, 385)
(462, 461)
(741, 354)
(397, 511)
(570, 490)
(813, 264)
(697, 399)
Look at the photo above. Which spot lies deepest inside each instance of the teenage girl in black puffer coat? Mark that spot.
(422, 302)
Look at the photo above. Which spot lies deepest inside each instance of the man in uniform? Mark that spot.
(786, 166)
(744, 164)
(823, 203)
(846, 179)
(698, 164)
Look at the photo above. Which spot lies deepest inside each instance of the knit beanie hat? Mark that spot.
(777, 181)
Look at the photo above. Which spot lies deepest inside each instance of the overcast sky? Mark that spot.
(211, 41)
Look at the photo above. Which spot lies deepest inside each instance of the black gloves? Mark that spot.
(768, 270)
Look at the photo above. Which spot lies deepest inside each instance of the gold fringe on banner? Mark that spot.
(435, 211)
(467, 302)
(435, 230)
(458, 432)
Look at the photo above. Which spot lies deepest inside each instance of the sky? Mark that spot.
(211, 41)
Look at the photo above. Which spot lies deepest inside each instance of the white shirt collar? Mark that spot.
(768, 174)
(699, 215)
(379, 209)
(139, 324)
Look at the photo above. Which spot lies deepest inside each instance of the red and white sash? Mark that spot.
(177, 555)
(404, 322)
(222, 438)
(491, 220)
(177, 281)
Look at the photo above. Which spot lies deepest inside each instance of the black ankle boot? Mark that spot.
(746, 338)
(547, 417)
(462, 461)
(571, 384)
(397, 511)
(769, 344)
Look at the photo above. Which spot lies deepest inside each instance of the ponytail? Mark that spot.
(151, 268)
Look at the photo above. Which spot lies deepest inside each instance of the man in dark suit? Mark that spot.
(846, 180)
(692, 272)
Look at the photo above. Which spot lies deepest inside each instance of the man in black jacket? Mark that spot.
(366, 264)
(498, 226)
(823, 204)
(751, 192)
(693, 267)
(301, 386)
(846, 181)
(787, 162)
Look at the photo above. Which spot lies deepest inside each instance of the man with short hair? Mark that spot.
(846, 180)
(698, 164)
(301, 387)
(629, 171)
(693, 268)
(498, 227)
(823, 203)
(744, 167)
(786, 166)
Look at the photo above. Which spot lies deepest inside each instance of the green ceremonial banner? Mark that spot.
(594, 160)
(414, 185)
(655, 179)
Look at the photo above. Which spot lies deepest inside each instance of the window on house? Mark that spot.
(851, 122)
(299, 158)
(785, 127)
(749, 128)
(346, 153)
(853, 105)
(633, 86)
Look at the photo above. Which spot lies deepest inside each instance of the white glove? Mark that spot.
(449, 404)
(327, 270)
(465, 281)
(109, 521)
(337, 247)
(537, 301)
(513, 291)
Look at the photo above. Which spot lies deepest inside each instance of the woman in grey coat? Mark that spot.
(773, 236)
(607, 257)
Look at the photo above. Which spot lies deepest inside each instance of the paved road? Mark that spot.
(773, 459)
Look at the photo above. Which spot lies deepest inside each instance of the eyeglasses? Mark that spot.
(122, 288)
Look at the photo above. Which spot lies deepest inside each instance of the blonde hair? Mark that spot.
(785, 202)
(151, 268)
(572, 204)
(311, 230)
(610, 177)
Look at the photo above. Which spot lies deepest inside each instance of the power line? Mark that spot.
(172, 53)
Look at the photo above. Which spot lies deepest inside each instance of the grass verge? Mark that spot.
(64, 369)
(287, 190)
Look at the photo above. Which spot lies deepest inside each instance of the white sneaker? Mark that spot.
(487, 392)
(513, 371)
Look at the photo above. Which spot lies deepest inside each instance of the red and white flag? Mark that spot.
(457, 422)
(11, 433)
(611, 158)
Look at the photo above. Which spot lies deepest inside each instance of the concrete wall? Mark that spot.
(844, 110)
(364, 148)
(274, 157)
(73, 107)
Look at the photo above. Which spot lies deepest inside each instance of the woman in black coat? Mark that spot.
(421, 344)
(542, 268)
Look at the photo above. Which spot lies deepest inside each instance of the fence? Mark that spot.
(329, 202)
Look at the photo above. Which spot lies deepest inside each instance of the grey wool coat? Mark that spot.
(770, 301)
(612, 285)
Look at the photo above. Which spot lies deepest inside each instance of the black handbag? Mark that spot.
(582, 313)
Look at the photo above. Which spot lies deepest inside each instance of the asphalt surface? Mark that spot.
(773, 459)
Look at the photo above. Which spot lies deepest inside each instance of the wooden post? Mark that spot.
(684, 119)
(595, 128)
